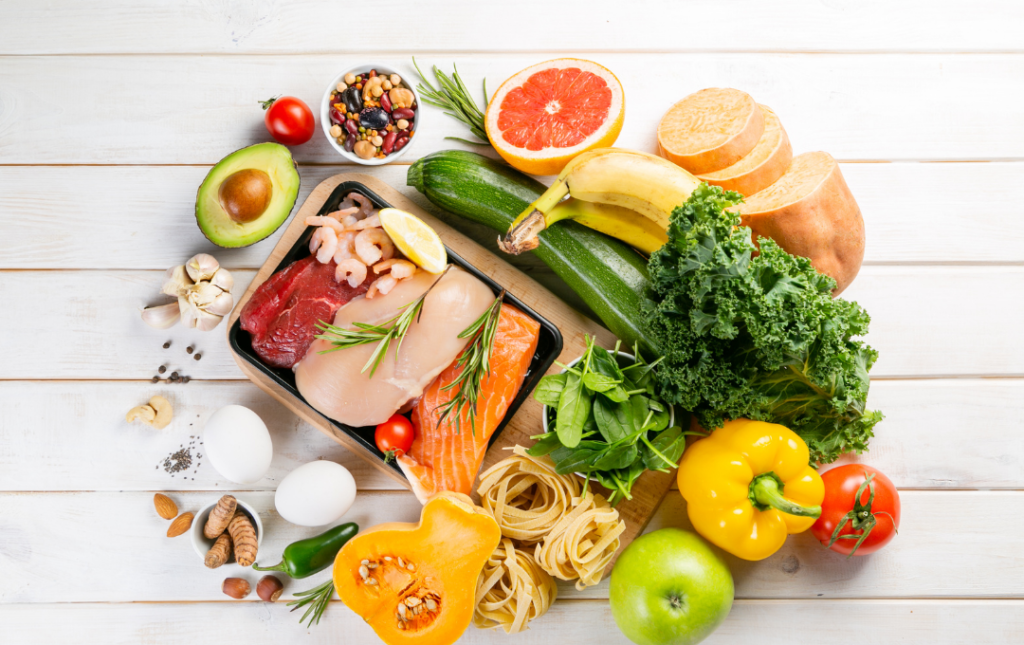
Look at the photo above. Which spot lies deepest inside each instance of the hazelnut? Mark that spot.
(269, 588)
(237, 588)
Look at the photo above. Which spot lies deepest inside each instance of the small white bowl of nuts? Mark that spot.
(370, 114)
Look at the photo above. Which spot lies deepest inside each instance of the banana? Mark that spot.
(638, 192)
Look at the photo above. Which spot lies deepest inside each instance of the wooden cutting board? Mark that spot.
(648, 491)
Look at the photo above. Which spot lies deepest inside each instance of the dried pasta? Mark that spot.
(512, 590)
(583, 542)
(526, 496)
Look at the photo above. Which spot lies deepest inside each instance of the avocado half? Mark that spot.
(247, 195)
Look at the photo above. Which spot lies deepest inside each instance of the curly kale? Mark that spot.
(756, 337)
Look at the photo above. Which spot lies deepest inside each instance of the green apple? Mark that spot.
(670, 588)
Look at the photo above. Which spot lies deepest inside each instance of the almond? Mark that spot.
(180, 525)
(165, 507)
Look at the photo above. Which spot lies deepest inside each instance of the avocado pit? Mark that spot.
(246, 194)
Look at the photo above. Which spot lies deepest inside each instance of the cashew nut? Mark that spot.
(157, 414)
(164, 412)
(141, 412)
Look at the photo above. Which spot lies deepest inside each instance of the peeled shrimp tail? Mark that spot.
(365, 207)
(328, 246)
(330, 222)
(373, 245)
(352, 270)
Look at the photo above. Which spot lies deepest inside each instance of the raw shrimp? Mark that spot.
(352, 270)
(328, 245)
(373, 245)
(373, 221)
(364, 204)
(316, 239)
(346, 246)
(343, 212)
(315, 220)
(382, 285)
(401, 269)
(350, 222)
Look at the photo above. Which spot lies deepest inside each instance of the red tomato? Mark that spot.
(394, 436)
(871, 522)
(289, 120)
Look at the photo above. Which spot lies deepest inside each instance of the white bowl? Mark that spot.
(621, 355)
(325, 114)
(202, 544)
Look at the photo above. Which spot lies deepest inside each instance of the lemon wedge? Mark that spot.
(415, 239)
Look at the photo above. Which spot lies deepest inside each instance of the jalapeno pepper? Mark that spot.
(306, 557)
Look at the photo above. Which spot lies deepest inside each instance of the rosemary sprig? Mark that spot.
(452, 95)
(317, 600)
(383, 334)
(475, 362)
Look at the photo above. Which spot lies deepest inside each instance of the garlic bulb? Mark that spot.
(208, 300)
(203, 290)
(161, 317)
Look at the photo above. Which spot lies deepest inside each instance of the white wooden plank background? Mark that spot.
(112, 112)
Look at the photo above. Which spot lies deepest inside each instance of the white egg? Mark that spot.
(315, 494)
(237, 443)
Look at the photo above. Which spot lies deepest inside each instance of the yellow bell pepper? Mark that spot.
(748, 485)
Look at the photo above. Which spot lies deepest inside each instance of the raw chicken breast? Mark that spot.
(334, 384)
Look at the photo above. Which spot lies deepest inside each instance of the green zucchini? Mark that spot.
(609, 276)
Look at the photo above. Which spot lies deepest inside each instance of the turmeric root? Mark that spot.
(243, 537)
(220, 516)
(219, 553)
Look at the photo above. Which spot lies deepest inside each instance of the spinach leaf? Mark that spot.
(573, 410)
(599, 382)
(669, 443)
(618, 457)
(579, 458)
(614, 420)
(545, 444)
(602, 362)
(550, 388)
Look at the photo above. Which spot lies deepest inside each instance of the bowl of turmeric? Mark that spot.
(227, 530)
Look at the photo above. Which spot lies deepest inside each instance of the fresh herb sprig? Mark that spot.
(393, 329)
(609, 425)
(315, 600)
(475, 362)
(453, 97)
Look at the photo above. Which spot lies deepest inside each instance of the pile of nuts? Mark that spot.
(373, 115)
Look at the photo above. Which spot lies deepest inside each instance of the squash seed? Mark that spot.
(431, 605)
(412, 601)
(363, 571)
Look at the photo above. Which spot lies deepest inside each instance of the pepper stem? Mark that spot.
(766, 492)
(278, 567)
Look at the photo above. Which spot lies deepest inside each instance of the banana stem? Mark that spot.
(522, 234)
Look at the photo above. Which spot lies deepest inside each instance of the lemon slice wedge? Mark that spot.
(415, 239)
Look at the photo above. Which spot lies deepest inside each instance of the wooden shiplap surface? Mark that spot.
(111, 113)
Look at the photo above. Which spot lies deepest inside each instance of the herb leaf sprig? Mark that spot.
(315, 600)
(609, 424)
(475, 362)
(390, 330)
(453, 97)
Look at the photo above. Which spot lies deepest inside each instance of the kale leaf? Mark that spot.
(756, 337)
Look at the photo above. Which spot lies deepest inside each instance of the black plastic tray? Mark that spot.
(548, 347)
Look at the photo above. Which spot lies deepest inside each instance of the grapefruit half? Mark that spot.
(545, 115)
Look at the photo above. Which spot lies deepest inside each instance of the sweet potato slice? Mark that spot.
(763, 166)
(710, 130)
(810, 212)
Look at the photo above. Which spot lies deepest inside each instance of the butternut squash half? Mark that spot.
(416, 583)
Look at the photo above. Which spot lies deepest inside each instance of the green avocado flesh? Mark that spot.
(234, 209)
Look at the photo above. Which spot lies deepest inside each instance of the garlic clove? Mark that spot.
(223, 279)
(189, 312)
(203, 294)
(221, 305)
(176, 281)
(161, 317)
(201, 266)
(206, 321)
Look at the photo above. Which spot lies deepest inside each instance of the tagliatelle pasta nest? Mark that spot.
(526, 496)
(583, 542)
(512, 590)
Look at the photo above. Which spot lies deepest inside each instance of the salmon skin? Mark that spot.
(442, 459)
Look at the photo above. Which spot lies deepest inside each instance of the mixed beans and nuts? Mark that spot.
(373, 115)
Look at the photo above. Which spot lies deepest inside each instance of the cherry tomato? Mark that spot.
(394, 436)
(868, 521)
(289, 120)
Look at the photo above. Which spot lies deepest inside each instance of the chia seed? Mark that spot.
(178, 461)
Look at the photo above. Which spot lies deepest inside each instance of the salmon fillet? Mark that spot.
(442, 459)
